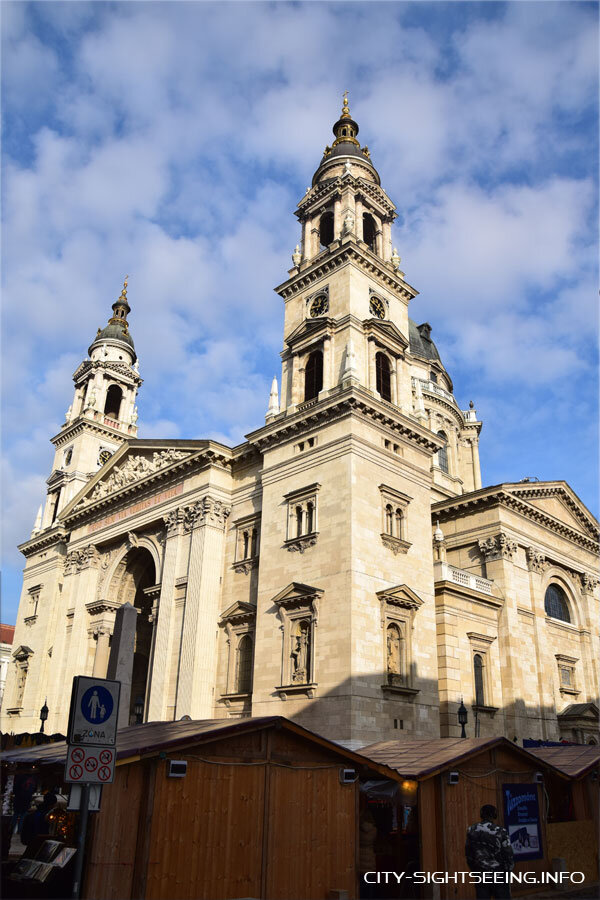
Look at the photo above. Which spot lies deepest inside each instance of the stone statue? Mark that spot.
(69, 413)
(300, 658)
(348, 226)
(134, 416)
(347, 168)
(92, 397)
(394, 662)
(136, 366)
(296, 255)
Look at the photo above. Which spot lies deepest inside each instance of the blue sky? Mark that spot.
(172, 141)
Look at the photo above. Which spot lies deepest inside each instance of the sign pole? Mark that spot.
(83, 821)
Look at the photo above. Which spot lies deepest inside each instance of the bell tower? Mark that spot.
(102, 415)
(346, 300)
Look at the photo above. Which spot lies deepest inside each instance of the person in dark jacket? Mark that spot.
(36, 822)
(488, 849)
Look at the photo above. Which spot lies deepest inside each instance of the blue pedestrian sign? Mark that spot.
(94, 711)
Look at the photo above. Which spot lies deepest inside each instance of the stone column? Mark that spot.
(327, 375)
(295, 392)
(589, 654)
(476, 464)
(337, 218)
(536, 565)
(306, 239)
(102, 651)
(394, 383)
(371, 365)
(359, 219)
(161, 673)
(386, 229)
(195, 695)
(499, 552)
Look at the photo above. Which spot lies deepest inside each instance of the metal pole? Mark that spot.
(83, 820)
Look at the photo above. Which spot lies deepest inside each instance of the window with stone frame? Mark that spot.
(313, 375)
(567, 682)
(394, 530)
(302, 523)
(247, 541)
(480, 670)
(238, 623)
(22, 656)
(556, 605)
(442, 454)
(33, 602)
(297, 607)
(399, 605)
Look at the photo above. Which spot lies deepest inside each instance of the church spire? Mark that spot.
(345, 129)
(118, 326)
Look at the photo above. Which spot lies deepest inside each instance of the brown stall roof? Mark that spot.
(139, 741)
(423, 758)
(573, 760)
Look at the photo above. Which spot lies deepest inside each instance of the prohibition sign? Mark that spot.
(77, 755)
(106, 757)
(104, 773)
(75, 772)
(91, 764)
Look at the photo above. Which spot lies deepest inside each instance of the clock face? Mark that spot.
(319, 305)
(104, 456)
(377, 307)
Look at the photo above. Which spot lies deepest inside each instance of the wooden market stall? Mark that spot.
(256, 807)
(452, 779)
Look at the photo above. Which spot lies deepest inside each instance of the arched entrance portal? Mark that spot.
(132, 582)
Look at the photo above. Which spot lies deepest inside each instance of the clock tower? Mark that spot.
(101, 417)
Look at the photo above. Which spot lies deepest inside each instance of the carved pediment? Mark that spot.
(587, 711)
(401, 596)
(387, 331)
(556, 499)
(296, 594)
(22, 653)
(239, 612)
(310, 328)
(129, 465)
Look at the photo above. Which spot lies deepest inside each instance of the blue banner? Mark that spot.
(522, 820)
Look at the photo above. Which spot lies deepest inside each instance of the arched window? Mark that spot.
(443, 453)
(433, 377)
(398, 522)
(246, 538)
(326, 229)
(298, 521)
(383, 376)
(254, 543)
(244, 665)
(370, 232)
(555, 603)
(395, 653)
(310, 518)
(478, 673)
(114, 395)
(313, 377)
(389, 520)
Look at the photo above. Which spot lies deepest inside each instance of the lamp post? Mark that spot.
(43, 715)
(138, 709)
(462, 718)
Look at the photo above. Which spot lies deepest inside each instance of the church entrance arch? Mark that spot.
(132, 582)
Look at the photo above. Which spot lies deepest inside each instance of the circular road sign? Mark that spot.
(75, 772)
(77, 755)
(91, 764)
(106, 757)
(97, 705)
(104, 773)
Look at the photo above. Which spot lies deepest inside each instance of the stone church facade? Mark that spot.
(344, 566)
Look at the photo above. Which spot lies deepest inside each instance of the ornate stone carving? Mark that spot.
(536, 561)
(133, 469)
(498, 547)
(207, 511)
(245, 565)
(395, 544)
(588, 583)
(300, 544)
(173, 521)
(77, 560)
(348, 225)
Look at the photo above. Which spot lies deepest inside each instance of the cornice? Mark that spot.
(80, 424)
(498, 496)
(121, 368)
(348, 251)
(348, 401)
(46, 539)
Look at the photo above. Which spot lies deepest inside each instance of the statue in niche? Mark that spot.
(299, 655)
(394, 655)
(348, 225)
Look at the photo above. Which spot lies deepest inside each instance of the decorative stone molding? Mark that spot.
(207, 511)
(400, 597)
(401, 690)
(396, 545)
(174, 521)
(245, 565)
(100, 607)
(498, 547)
(309, 690)
(536, 561)
(300, 544)
(589, 583)
(78, 560)
(133, 469)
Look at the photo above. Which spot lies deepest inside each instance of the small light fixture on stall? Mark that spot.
(43, 715)
(462, 718)
(452, 777)
(138, 709)
(538, 777)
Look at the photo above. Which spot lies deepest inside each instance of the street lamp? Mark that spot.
(43, 715)
(138, 709)
(463, 715)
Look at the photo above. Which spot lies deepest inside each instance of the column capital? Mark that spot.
(498, 547)
(78, 560)
(536, 561)
(207, 511)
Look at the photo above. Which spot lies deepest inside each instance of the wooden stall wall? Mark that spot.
(207, 832)
(480, 782)
(113, 837)
(577, 844)
(311, 837)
